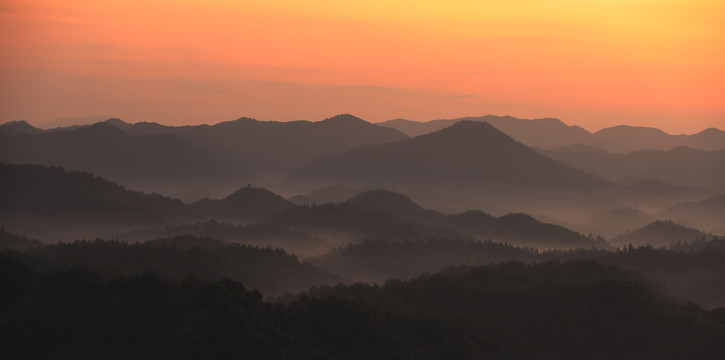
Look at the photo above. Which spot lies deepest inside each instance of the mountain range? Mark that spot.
(274, 148)
(471, 163)
(549, 133)
(159, 162)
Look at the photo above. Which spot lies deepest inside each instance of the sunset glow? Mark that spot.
(591, 63)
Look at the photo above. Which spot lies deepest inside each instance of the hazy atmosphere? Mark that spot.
(362, 180)
(594, 64)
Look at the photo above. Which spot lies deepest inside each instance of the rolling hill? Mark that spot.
(468, 154)
(159, 162)
(246, 204)
(468, 165)
(273, 148)
(658, 233)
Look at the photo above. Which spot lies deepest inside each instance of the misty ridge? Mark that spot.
(480, 237)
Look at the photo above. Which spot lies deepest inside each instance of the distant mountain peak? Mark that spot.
(381, 197)
(18, 127)
(99, 129)
(249, 190)
(344, 118)
(118, 123)
(626, 129)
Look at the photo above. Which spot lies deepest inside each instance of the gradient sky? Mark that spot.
(593, 63)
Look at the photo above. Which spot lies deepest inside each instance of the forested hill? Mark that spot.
(269, 270)
(574, 310)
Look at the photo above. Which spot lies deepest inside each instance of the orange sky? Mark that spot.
(593, 63)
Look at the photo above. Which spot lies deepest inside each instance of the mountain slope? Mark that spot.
(274, 148)
(247, 203)
(105, 150)
(51, 204)
(40, 190)
(546, 132)
(550, 133)
(466, 154)
(18, 127)
(658, 233)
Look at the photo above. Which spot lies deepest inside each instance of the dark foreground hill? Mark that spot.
(564, 311)
(693, 270)
(272, 271)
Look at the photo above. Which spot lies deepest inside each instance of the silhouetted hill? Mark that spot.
(468, 153)
(18, 127)
(658, 233)
(686, 166)
(328, 194)
(300, 243)
(68, 122)
(16, 242)
(625, 139)
(246, 204)
(275, 148)
(551, 133)
(705, 214)
(632, 138)
(522, 229)
(118, 123)
(612, 222)
(272, 271)
(342, 223)
(395, 204)
(595, 305)
(399, 219)
(41, 190)
(380, 260)
(155, 162)
(510, 311)
(50, 203)
(547, 133)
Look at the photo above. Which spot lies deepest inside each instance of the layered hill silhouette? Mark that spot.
(52, 191)
(18, 127)
(682, 165)
(52, 204)
(274, 148)
(272, 271)
(470, 165)
(327, 194)
(659, 233)
(549, 133)
(246, 204)
(382, 214)
(153, 162)
(545, 132)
